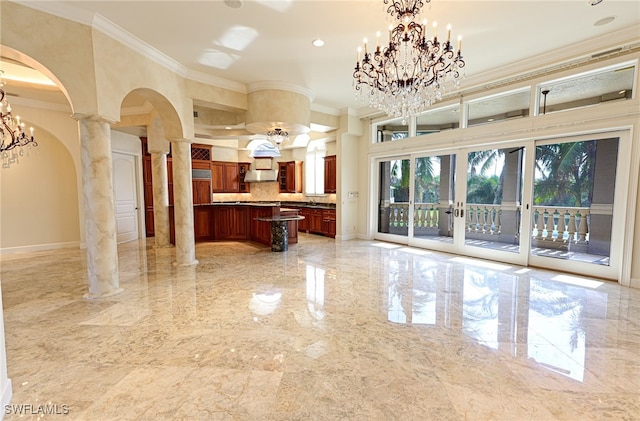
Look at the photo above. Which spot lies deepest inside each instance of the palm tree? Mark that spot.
(567, 171)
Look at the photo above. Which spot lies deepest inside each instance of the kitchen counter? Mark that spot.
(238, 221)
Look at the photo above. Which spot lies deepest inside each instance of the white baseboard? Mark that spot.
(346, 237)
(38, 247)
(634, 283)
(6, 396)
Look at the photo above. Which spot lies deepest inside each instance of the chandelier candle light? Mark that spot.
(12, 132)
(413, 71)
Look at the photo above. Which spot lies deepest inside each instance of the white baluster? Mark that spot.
(561, 226)
(572, 225)
(582, 231)
(540, 225)
(549, 226)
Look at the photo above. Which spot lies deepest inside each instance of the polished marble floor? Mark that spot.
(354, 330)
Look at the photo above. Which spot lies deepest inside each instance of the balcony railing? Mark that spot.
(558, 224)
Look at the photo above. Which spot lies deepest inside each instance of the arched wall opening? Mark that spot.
(39, 199)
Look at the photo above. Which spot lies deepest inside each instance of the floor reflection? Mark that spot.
(352, 330)
(501, 307)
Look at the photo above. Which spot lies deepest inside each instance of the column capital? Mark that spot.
(158, 152)
(93, 117)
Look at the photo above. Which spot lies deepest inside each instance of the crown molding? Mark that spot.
(325, 109)
(61, 10)
(115, 32)
(41, 105)
(571, 55)
(280, 86)
(231, 85)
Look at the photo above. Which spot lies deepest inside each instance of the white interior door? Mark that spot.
(125, 196)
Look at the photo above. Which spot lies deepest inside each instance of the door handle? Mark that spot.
(456, 213)
(461, 213)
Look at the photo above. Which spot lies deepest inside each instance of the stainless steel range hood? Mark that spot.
(261, 176)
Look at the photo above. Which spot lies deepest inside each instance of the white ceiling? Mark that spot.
(271, 40)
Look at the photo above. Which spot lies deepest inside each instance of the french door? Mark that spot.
(554, 203)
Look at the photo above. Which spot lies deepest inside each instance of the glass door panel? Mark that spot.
(393, 197)
(494, 194)
(434, 190)
(573, 195)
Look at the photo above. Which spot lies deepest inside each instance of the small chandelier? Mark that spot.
(277, 136)
(413, 71)
(12, 135)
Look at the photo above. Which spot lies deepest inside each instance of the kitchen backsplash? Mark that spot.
(268, 192)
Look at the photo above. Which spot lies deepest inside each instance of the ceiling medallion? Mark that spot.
(413, 70)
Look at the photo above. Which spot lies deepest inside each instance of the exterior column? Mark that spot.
(100, 221)
(160, 199)
(183, 203)
(604, 181)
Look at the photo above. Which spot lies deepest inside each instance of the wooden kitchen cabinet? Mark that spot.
(303, 225)
(290, 177)
(231, 223)
(330, 179)
(260, 231)
(226, 177)
(201, 191)
(202, 225)
(243, 168)
(315, 221)
(329, 222)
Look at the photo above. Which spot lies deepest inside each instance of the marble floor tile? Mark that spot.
(356, 330)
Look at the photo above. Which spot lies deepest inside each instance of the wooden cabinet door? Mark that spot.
(260, 231)
(231, 177)
(303, 225)
(330, 174)
(240, 223)
(201, 191)
(329, 223)
(222, 222)
(217, 177)
(202, 223)
(315, 221)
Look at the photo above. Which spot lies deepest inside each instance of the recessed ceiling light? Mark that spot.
(228, 128)
(317, 42)
(594, 2)
(236, 4)
(605, 21)
(622, 92)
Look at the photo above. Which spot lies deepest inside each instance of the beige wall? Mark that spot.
(39, 199)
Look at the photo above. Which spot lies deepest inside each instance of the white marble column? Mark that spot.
(160, 198)
(183, 203)
(97, 192)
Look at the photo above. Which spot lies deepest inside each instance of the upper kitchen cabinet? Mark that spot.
(290, 177)
(228, 177)
(330, 174)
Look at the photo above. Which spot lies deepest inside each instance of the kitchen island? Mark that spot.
(237, 221)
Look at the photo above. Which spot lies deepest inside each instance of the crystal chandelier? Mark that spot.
(13, 138)
(413, 71)
(277, 136)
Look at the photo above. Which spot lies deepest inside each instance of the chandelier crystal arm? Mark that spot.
(12, 133)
